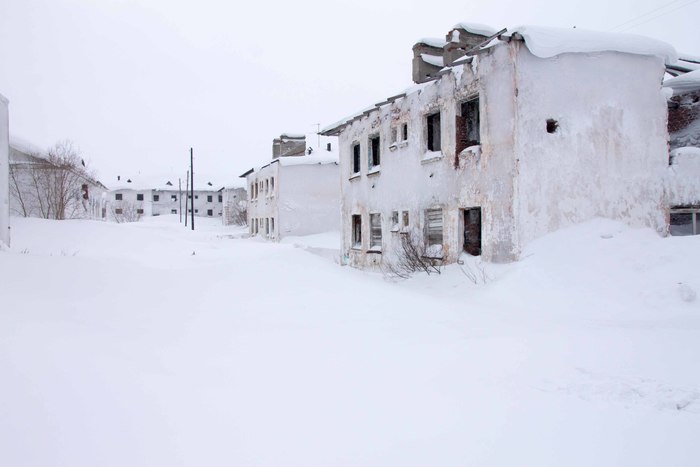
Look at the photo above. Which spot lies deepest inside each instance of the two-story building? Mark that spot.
(504, 138)
(298, 192)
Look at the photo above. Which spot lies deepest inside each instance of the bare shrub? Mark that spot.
(475, 270)
(125, 212)
(411, 255)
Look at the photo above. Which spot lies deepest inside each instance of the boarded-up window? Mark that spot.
(356, 231)
(467, 125)
(375, 226)
(433, 226)
(685, 220)
(433, 123)
(374, 152)
(356, 158)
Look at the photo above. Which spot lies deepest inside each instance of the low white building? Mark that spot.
(509, 136)
(235, 205)
(133, 198)
(4, 171)
(297, 193)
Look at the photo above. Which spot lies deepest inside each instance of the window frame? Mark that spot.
(356, 232)
(374, 152)
(375, 231)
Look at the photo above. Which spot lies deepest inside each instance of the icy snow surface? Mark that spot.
(683, 84)
(546, 42)
(148, 344)
(476, 28)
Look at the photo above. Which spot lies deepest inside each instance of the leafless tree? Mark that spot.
(54, 186)
(125, 212)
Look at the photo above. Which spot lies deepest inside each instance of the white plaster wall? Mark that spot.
(165, 203)
(683, 180)
(4, 172)
(609, 154)
(235, 200)
(308, 199)
(129, 199)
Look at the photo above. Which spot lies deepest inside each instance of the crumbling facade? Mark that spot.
(511, 142)
(295, 194)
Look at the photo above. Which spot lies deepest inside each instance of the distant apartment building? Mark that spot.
(297, 193)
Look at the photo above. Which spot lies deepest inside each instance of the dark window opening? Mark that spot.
(210, 212)
(118, 211)
(173, 197)
(221, 198)
(156, 197)
(139, 197)
(685, 220)
(374, 152)
(472, 231)
(552, 125)
(467, 125)
(357, 231)
(375, 230)
(210, 198)
(404, 132)
(433, 123)
(84, 189)
(139, 211)
(356, 158)
(173, 211)
(118, 196)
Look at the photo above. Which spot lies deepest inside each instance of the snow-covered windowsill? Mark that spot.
(354, 176)
(393, 147)
(374, 170)
(375, 250)
(431, 156)
(471, 151)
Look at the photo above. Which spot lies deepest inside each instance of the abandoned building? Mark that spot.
(683, 175)
(133, 198)
(506, 136)
(4, 172)
(297, 193)
(235, 205)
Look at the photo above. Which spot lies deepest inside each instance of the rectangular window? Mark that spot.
(196, 211)
(356, 158)
(156, 198)
(394, 221)
(221, 198)
(267, 226)
(272, 185)
(173, 197)
(210, 212)
(356, 231)
(118, 211)
(267, 186)
(375, 227)
(196, 196)
(404, 132)
(210, 198)
(139, 211)
(272, 225)
(374, 152)
(433, 227)
(173, 211)
(404, 216)
(118, 196)
(685, 220)
(433, 124)
(467, 125)
(139, 197)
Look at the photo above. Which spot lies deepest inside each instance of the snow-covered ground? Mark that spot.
(150, 345)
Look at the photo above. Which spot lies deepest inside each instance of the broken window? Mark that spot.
(139, 197)
(685, 220)
(173, 197)
(375, 231)
(395, 221)
(552, 125)
(173, 211)
(467, 125)
(404, 216)
(118, 196)
(156, 198)
(356, 231)
(433, 227)
(210, 198)
(356, 158)
(472, 231)
(210, 212)
(433, 124)
(374, 152)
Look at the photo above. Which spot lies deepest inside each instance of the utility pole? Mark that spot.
(179, 195)
(187, 190)
(318, 133)
(192, 182)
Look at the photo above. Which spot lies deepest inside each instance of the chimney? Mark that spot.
(288, 145)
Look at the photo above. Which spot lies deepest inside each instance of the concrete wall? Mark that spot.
(609, 153)
(235, 205)
(265, 204)
(4, 172)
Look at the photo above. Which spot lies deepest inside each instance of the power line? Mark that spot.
(658, 16)
(647, 13)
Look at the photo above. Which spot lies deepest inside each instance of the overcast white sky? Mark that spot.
(136, 83)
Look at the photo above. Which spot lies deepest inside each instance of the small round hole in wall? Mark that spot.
(552, 125)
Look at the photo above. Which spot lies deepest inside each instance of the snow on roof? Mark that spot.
(683, 84)
(292, 136)
(319, 154)
(162, 183)
(324, 157)
(546, 42)
(434, 60)
(476, 28)
(688, 58)
(26, 147)
(432, 42)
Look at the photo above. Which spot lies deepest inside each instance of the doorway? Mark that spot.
(472, 231)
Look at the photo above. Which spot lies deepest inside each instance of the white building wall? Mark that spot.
(308, 200)
(609, 154)
(265, 204)
(235, 205)
(4, 172)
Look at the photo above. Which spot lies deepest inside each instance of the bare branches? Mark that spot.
(411, 255)
(125, 212)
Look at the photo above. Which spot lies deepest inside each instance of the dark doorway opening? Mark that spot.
(472, 231)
